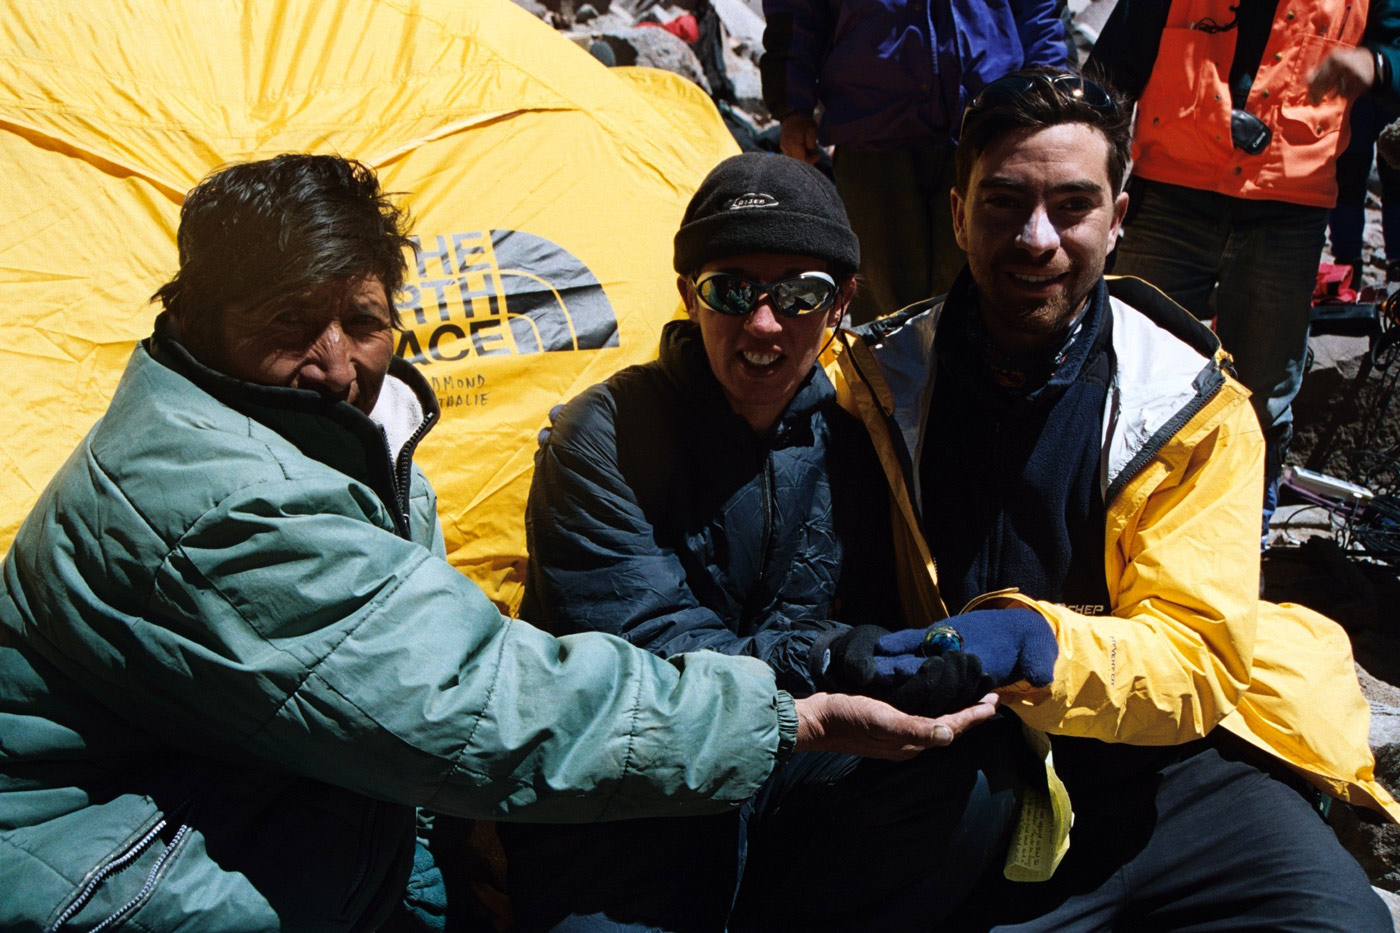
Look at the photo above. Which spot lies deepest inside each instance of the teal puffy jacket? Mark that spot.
(233, 660)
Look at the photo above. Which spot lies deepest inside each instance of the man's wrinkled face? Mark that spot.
(761, 358)
(335, 339)
(1037, 221)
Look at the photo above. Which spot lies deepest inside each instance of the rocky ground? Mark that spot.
(1316, 557)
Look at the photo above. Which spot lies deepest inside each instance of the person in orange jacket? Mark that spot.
(1241, 115)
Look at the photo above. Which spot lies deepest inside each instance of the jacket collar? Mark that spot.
(1166, 366)
(376, 449)
(683, 360)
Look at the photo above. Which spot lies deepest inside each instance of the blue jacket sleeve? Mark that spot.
(596, 564)
(795, 42)
(1042, 33)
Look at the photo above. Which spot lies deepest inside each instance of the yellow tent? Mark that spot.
(545, 190)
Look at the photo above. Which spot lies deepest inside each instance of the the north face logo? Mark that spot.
(752, 199)
(499, 292)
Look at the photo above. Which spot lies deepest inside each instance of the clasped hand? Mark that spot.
(999, 647)
(1011, 644)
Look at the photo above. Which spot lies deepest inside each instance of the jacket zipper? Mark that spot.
(175, 842)
(767, 487)
(1159, 440)
(906, 459)
(115, 865)
(403, 472)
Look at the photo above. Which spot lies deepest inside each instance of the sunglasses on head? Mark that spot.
(1075, 87)
(727, 293)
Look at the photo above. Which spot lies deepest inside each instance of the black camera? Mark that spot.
(1248, 132)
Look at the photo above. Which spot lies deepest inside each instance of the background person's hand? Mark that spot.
(798, 138)
(1013, 645)
(1348, 72)
(855, 725)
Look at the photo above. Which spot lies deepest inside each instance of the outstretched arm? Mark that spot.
(859, 725)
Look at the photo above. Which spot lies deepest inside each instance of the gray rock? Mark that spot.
(740, 21)
(653, 47)
(1392, 901)
(535, 9)
(1373, 841)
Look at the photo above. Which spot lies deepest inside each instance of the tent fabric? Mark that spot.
(544, 191)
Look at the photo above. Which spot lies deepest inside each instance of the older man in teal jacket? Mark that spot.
(233, 659)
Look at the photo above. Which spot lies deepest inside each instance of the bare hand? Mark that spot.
(1348, 72)
(798, 138)
(856, 725)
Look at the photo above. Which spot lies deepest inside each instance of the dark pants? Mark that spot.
(1207, 843)
(832, 842)
(1251, 265)
(897, 201)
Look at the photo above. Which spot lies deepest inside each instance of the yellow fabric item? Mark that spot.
(1188, 645)
(545, 190)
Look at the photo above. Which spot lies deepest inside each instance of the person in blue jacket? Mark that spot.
(891, 79)
(719, 498)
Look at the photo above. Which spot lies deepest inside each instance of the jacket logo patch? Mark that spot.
(499, 292)
(752, 199)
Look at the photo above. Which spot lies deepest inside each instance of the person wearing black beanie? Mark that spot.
(755, 203)
(720, 498)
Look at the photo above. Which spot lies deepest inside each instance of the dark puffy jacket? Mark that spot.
(658, 514)
(898, 72)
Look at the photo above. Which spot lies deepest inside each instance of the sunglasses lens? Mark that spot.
(802, 295)
(1014, 85)
(794, 297)
(728, 294)
(1084, 90)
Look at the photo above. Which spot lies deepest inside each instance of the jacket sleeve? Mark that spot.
(596, 564)
(1042, 33)
(1174, 657)
(795, 42)
(1126, 50)
(289, 626)
(1383, 34)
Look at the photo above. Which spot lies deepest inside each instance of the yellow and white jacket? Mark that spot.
(1187, 645)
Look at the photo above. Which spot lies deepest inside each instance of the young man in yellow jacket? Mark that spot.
(1076, 467)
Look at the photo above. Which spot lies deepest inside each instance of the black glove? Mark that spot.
(949, 681)
(845, 660)
(845, 663)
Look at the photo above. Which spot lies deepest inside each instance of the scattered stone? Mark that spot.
(655, 48)
(536, 9)
(1388, 145)
(740, 21)
(603, 52)
(586, 13)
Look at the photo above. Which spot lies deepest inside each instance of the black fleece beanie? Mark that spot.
(762, 203)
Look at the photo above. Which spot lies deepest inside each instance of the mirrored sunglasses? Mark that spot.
(1076, 87)
(726, 293)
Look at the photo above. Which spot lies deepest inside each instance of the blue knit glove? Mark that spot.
(1013, 644)
(845, 661)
